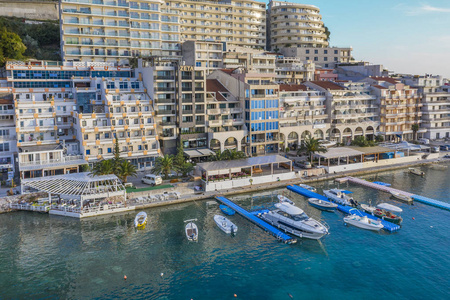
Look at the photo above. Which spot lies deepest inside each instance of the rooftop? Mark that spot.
(339, 152)
(328, 85)
(386, 79)
(293, 87)
(242, 163)
(214, 86)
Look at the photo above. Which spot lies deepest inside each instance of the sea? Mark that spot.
(52, 257)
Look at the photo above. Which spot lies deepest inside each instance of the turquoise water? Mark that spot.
(51, 257)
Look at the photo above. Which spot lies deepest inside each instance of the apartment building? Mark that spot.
(208, 55)
(250, 60)
(325, 57)
(292, 70)
(294, 25)
(116, 30)
(352, 110)
(8, 145)
(400, 108)
(179, 94)
(69, 114)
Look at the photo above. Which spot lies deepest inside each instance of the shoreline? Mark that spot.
(4, 202)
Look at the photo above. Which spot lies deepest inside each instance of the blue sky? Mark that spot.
(407, 36)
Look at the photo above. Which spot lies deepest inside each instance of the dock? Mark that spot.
(280, 235)
(418, 198)
(388, 226)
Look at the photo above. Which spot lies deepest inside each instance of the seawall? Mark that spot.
(35, 10)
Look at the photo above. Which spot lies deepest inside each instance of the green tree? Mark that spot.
(234, 154)
(126, 169)
(11, 46)
(116, 161)
(415, 128)
(311, 146)
(327, 33)
(85, 168)
(103, 167)
(379, 138)
(186, 168)
(361, 141)
(179, 159)
(220, 155)
(164, 165)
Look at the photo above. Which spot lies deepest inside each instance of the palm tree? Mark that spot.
(415, 128)
(311, 146)
(220, 155)
(234, 154)
(103, 167)
(126, 169)
(164, 165)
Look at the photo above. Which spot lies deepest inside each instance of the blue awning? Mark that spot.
(346, 192)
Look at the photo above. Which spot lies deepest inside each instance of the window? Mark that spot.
(325, 51)
(316, 51)
(100, 151)
(307, 51)
(109, 150)
(335, 52)
(198, 64)
(4, 147)
(88, 152)
(316, 58)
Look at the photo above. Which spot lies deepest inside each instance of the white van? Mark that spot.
(424, 141)
(152, 179)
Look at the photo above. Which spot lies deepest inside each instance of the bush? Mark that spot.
(287, 149)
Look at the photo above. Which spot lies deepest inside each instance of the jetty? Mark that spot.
(388, 226)
(280, 235)
(387, 189)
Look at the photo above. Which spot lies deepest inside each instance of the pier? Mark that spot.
(257, 221)
(388, 226)
(418, 198)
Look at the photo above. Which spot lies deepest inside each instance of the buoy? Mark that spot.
(413, 218)
(124, 277)
(292, 297)
(162, 274)
(235, 296)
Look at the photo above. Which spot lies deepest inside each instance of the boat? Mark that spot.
(390, 207)
(402, 197)
(416, 172)
(285, 199)
(388, 216)
(308, 187)
(363, 222)
(225, 225)
(191, 230)
(340, 197)
(438, 167)
(140, 220)
(368, 209)
(295, 221)
(226, 210)
(322, 204)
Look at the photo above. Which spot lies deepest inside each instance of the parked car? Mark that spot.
(443, 147)
(152, 179)
(435, 149)
(303, 164)
(424, 141)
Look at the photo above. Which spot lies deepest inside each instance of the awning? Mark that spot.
(192, 153)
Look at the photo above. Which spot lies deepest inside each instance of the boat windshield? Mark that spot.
(299, 217)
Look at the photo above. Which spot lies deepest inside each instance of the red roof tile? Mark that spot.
(387, 79)
(329, 85)
(214, 86)
(293, 87)
(379, 87)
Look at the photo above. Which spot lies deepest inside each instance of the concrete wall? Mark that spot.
(36, 10)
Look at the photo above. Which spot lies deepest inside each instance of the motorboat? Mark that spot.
(225, 225)
(390, 207)
(340, 197)
(308, 187)
(140, 220)
(368, 209)
(226, 210)
(401, 197)
(363, 222)
(285, 199)
(416, 172)
(322, 204)
(191, 230)
(387, 215)
(295, 221)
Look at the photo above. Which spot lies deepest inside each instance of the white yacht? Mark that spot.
(339, 197)
(293, 220)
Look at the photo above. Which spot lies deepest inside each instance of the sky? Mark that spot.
(406, 36)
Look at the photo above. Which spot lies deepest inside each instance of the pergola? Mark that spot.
(77, 186)
(338, 153)
(405, 146)
(229, 167)
(371, 153)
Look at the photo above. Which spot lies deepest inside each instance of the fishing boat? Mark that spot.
(322, 204)
(368, 209)
(295, 221)
(363, 222)
(191, 230)
(390, 207)
(416, 172)
(401, 197)
(285, 199)
(308, 187)
(226, 210)
(140, 220)
(388, 216)
(340, 197)
(225, 225)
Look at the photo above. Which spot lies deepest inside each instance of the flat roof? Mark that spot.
(338, 152)
(198, 152)
(242, 163)
(371, 150)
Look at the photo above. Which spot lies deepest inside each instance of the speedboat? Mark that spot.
(416, 172)
(295, 221)
(308, 187)
(191, 230)
(368, 209)
(401, 196)
(285, 199)
(140, 220)
(322, 204)
(388, 216)
(390, 207)
(340, 197)
(225, 225)
(226, 210)
(363, 222)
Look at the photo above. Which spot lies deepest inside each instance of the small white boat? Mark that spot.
(401, 196)
(340, 197)
(284, 199)
(363, 222)
(322, 205)
(308, 187)
(416, 172)
(140, 220)
(191, 230)
(369, 209)
(390, 207)
(226, 225)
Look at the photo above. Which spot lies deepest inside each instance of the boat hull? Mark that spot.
(225, 225)
(140, 220)
(322, 206)
(288, 228)
(336, 199)
(191, 231)
(226, 210)
(359, 224)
